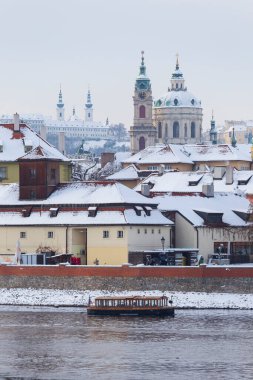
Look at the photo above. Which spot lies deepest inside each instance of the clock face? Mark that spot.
(142, 95)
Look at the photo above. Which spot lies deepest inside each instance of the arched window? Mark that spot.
(185, 130)
(141, 143)
(142, 112)
(159, 130)
(166, 131)
(193, 130)
(176, 85)
(176, 129)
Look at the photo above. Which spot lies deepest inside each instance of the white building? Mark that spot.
(178, 114)
(73, 127)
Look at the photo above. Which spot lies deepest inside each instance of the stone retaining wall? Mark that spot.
(195, 279)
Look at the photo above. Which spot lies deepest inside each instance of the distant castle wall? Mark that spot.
(185, 279)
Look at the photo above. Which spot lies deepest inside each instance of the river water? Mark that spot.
(63, 343)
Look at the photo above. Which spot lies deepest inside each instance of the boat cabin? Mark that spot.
(134, 301)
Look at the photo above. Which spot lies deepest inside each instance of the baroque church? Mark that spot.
(174, 118)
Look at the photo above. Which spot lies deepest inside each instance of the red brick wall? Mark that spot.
(125, 271)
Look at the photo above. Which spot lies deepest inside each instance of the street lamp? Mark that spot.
(163, 241)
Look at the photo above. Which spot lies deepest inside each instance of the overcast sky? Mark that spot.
(76, 43)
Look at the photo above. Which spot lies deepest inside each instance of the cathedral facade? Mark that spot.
(175, 117)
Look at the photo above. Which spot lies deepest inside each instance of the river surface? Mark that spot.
(63, 343)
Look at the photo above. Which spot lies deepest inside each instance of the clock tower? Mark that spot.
(142, 133)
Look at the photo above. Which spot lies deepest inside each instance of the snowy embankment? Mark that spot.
(48, 297)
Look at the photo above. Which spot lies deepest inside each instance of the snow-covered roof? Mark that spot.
(220, 203)
(39, 153)
(159, 154)
(219, 152)
(128, 173)
(81, 218)
(192, 182)
(177, 99)
(14, 143)
(175, 153)
(89, 193)
(177, 182)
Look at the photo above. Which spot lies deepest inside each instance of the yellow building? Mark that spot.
(100, 223)
(16, 140)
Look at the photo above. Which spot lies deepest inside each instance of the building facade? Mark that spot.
(178, 114)
(142, 132)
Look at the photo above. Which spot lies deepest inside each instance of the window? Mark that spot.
(141, 143)
(159, 231)
(159, 130)
(105, 234)
(152, 231)
(32, 172)
(53, 173)
(176, 129)
(32, 194)
(22, 235)
(50, 234)
(142, 112)
(120, 234)
(138, 231)
(193, 130)
(145, 231)
(3, 173)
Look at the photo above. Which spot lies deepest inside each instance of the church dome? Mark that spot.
(177, 95)
(178, 99)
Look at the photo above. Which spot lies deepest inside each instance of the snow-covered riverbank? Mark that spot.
(48, 297)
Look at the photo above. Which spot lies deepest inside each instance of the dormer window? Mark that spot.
(210, 217)
(148, 210)
(138, 210)
(53, 211)
(26, 212)
(92, 211)
(28, 145)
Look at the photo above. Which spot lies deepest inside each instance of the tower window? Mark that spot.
(176, 85)
(88, 114)
(176, 129)
(159, 130)
(141, 143)
(193, 130)
(142, 112)
(60, 114)
(175, 102)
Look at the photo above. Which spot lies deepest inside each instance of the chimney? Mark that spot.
(16, 122)
(208, 190)
(145, 190)
(61, 142)
(161, 169)
(218, 172)
(229, 175)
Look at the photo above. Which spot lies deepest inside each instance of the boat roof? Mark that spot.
(131, 298)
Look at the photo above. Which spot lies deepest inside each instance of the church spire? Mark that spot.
(60, 107)
(142, 66)
(88, 108)
(213, 131)
(177, 78)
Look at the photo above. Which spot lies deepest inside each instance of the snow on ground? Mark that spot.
(48, 297)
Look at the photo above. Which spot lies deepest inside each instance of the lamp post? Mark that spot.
(163, 241)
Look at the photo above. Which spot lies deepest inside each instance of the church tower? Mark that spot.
(60, 108)
(88, 108)
(213, 132)
(142, 133)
